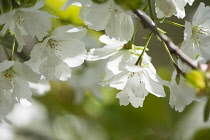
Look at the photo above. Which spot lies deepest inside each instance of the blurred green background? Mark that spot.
(61, 114)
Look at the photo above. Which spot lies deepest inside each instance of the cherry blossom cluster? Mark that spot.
(128, 67)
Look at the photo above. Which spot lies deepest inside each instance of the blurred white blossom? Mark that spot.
(26, 123)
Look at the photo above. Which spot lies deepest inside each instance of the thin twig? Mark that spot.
(169, 43)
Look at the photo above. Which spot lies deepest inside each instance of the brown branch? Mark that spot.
(169, 43)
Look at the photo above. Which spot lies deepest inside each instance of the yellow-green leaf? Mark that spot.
(197, 79)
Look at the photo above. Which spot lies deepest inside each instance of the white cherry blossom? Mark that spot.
(107, 16)
(121, 72)
(197, 34)
(181, 94)
(14, 87)
(26, 21)
(135, 81)
(55, 56)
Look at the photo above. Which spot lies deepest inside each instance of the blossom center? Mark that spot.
(54, 45)
(139, 74)
(21, 18)
(199, 31)
(8, 75)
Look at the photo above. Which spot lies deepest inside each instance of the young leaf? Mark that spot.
(197, 79)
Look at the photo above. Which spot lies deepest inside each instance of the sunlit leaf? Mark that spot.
(197, 79)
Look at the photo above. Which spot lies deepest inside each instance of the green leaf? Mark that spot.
(130, 4)
(196, 78)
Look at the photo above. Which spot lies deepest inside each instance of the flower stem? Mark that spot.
(140, 59)
(174, 23)
(172, 60)
(130, 43)
(13, 48)
(173, 48)
(135, 31)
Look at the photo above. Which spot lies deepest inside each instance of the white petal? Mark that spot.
(165, 8)
(180, 11)
(123, 96)
(62, 72)
(21, 90)
(72, 52)
(6, 65)
(25, 72)
(153, 76)
(114, 61)
(98, 16)
(40, 27)
(136, 101)
(47, 68)
(102, 53)
(201, 14)
(20, 39)
(8, 20)
(6, 83)
(111, 41)
(120, 26)
(181, 95)
(118, 81)
(134, 84)
(127, 28)
(68, 32)
(153, 87)
(6, 102)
